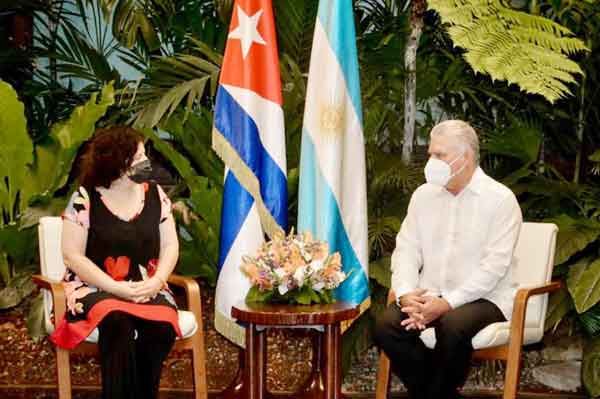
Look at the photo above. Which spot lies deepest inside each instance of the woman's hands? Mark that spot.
(148, 289)
(138, 291)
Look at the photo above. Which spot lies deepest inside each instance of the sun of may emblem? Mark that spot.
(332, 119)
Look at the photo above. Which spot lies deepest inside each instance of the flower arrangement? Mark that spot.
(293, 269)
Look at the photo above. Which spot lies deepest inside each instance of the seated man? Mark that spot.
(451, 269)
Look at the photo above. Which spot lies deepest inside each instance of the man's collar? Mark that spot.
(476, 181)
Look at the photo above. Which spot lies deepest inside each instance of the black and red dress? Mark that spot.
(125, 250)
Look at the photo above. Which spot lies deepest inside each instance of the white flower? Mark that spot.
(340, 276)
(282, 289)
(299, 276)
(280, 273)
(318, 286)
(316, 265)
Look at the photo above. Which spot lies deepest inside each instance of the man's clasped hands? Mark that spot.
(421, 309)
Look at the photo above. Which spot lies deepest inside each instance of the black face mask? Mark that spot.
(141, 172)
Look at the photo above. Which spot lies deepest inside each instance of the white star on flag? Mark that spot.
(247, 31)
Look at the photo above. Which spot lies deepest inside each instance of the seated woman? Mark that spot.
(120, 245)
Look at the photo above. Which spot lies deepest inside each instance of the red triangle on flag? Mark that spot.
(251, 60)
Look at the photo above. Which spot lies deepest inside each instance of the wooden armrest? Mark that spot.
(192, 292)
(59, 300)
(45, 282)
(517, 327)
(525, 293)
(521, 299)
(180, 281)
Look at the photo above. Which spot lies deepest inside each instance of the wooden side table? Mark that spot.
(261, 314)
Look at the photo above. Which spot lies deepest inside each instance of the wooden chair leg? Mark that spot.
(513, 373)
(63, 373)
(199, 365)
(383, 377)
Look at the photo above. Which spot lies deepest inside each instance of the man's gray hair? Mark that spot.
(464, 134)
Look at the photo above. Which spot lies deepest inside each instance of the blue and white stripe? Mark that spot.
(332, 194)
(253, 128)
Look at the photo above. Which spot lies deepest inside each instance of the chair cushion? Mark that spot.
(495, 334)
(187, 324)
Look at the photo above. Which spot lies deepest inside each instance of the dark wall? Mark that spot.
(16, 58)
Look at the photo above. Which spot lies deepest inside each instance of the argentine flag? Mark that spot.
(249, 136)
(332, 195)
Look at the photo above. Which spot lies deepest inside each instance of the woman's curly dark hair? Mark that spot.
(108, 155)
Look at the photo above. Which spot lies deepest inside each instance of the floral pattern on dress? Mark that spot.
(109, 236)
(75, 289)
(78, 208)
(118, 268)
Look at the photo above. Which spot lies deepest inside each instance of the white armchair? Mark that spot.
(53, 269)
(534, 260)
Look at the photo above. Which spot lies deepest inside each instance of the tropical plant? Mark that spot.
(172, 81)
(528, 50)
(527, 143)
(133, 20)
(31, 175)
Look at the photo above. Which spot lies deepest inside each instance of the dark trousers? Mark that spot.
(437, 373)
(132, 351)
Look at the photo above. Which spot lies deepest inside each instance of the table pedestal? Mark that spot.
(325, 380)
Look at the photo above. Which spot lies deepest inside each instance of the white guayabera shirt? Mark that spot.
(459, 247)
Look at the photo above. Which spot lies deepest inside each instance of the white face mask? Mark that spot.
(439, 172)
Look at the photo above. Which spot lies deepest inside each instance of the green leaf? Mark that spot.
(590, 320)
(17, 149)
(318, 297)
(51, 207)
(195, 135)
(575, 272)
(573, 236)
(205, 198)
(585, 286)
(304, 296)
(559, 305)
(35, 318)
(521, 140)
(256, 295)
(356, 340)
(193, 263)
(382, 234)
(18, 288)
(590, 371)
(135, 17)
(595, 157)
(529, 50)
(9, 297)
(5, 272)
(19, 244)
(54, 156)
(380, 271)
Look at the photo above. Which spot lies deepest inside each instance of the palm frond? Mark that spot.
(528, 50)
(295, 20)
(132, 19)
(520, 140)
(392, 174)
(171, 82)
(382, 234)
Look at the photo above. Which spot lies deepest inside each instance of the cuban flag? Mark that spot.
(248, 134)
(332, 194)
